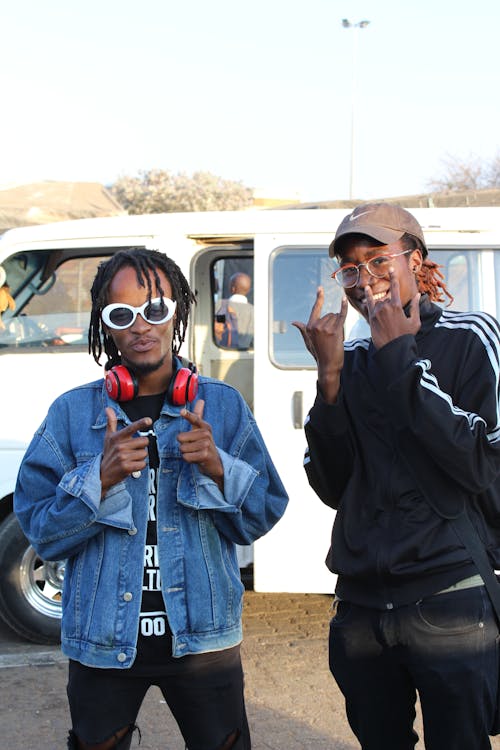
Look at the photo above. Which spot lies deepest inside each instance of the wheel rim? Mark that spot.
(41, 583)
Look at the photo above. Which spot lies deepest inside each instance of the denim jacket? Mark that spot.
(59, 506)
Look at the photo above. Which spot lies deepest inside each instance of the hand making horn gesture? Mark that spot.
(324, 339)
(387, 318)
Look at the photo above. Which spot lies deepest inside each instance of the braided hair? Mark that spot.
(429, 278)
(146, 264)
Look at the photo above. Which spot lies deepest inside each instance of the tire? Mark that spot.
(30, 589)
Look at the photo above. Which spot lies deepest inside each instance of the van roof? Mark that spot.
(239, 224)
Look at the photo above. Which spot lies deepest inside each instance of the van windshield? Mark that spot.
(51, 293)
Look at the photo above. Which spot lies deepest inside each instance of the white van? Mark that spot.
(44, 351)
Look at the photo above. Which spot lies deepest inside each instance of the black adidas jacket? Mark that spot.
(414, 438)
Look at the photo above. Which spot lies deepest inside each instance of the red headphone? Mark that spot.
(122, 385)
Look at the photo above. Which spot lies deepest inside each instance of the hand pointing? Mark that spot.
(123, 451)
(197, 445)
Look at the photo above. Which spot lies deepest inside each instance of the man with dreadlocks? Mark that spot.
(145, 483)
(404, 434)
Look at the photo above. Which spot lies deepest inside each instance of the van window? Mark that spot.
(52, 300)
(232, 289)
(295, 276)
(467, 274)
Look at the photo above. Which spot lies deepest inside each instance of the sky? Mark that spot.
(261, 92)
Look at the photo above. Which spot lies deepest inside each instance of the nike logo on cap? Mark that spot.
(353, 217)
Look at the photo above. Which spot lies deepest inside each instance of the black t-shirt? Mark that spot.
(154, 641)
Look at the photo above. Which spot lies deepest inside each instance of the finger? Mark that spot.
(194, 417)
(199, 408)
(302, 330)
(194, 440)
(194, 456)
(394, 283)
(305, 337)
(370, 304)
(344, 305)
(110, 420)
(415, 308)
(141, 425)
(318, 305)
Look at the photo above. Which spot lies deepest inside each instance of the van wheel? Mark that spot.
(30, 588)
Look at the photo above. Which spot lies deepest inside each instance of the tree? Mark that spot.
(158, 191)
(472, 173)
(493, 171)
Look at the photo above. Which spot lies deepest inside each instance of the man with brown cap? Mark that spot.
(404, 435)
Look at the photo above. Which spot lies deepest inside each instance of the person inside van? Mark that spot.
(233, 327)
(403, 436)
(146, 482)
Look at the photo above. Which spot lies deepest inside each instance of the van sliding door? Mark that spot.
(288, 271)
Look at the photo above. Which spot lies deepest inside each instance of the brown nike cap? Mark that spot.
(384, 222)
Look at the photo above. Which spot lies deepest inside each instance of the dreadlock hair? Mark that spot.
(430, 280)
(146, 264)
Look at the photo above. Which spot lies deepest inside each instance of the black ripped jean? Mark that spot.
(203, 691)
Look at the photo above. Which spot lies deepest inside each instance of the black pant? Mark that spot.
(444, 647)
(203, 691)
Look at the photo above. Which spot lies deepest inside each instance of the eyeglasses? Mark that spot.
(378, 266)
(118, 315)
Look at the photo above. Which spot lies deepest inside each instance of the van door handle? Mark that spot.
(297, 410)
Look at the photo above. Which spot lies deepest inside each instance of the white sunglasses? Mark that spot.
(118, 315)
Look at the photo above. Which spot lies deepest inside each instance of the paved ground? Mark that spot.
(292, 701)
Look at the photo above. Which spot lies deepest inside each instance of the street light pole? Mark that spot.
(346, 24)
